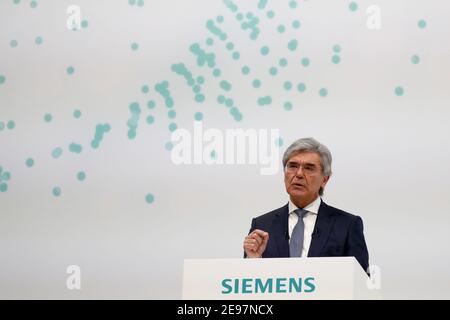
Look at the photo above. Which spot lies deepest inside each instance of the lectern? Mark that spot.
(276, 278)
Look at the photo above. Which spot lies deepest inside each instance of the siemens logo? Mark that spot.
(270, 285)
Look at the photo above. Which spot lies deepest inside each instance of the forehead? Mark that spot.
(305, 157)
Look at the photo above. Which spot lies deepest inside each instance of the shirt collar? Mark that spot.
(313, 207)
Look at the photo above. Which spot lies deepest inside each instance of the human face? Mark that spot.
(303, 177)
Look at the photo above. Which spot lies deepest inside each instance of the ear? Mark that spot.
(325, 180)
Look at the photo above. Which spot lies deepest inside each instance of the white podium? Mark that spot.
(276, 278)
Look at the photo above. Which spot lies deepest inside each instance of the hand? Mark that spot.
(255, 243)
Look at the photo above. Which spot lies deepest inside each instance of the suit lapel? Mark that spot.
(280, 228)
(322, 228)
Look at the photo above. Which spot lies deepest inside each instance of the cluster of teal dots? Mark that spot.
(100, 130)
(202, 58)
(132, 123)
(75, 147)
(33, 4)
(195, 84)
(210, 25)
(9, 125)
(4, 177)
(139, 3)
(266, 100)
(162, 89)
(336, 51)
(251, 24)
(230, 45)
(229, 103)
(151, 105)
(353, 6)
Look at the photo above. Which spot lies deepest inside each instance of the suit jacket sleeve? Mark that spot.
(356, 244)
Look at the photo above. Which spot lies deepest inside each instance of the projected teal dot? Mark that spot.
(225, 85)
(229, 102)
(399, 91)
(287, 85)
(301, 87)
(292, 45)
(38, 40)
(270, 14)
(145, 89)
(16, 1)
(150, 119)
(77, 114)
(2, 126)
(335, 59)
(33, 4)
(200, 80)
(199, 97)
(230, 46)
(273, 71)
(245, 70)
(134, 46)
(81, 176)
(295, 24)
(13, 43)
(151, 104)
(219, 19)
(236, 55)
(56, 191)
(279, 142)
(305, 62)
(140, 3)
(221, 99)
(415, 59)
(353, 6)
(283, 62)
(149, 198)
(11, 125)
(337, 48)
(281, 28)
(5, 176)
(48, 117)
(422, 24)
(131, 2)
(168, 146)
(198, 116)
(239, 16)
(256, 83)
(171, 114)
(29, 162)
(323, 92)
(216, 73)
(209, 41)
(57, 152)
(172, 127)
(287, 106)
(2, 79)
(264, 50)
(3, 187)
(76, 148)
(70, 70)
(84, 24)
(293, 4)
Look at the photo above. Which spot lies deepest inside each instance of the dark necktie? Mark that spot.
(296, 242)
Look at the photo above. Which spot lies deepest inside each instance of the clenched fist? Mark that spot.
(255, 243)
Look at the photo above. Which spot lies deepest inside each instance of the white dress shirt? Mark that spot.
(309, 219)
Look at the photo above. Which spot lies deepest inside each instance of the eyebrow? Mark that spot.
(306, 163)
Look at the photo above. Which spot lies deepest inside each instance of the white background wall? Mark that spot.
(390, 152)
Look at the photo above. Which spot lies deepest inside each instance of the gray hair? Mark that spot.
(310, 145)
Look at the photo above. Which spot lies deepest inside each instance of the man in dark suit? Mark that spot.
(306, 226)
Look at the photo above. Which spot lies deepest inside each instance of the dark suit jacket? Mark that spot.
(336, 233)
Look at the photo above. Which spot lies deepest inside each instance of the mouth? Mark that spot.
(298, 185)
